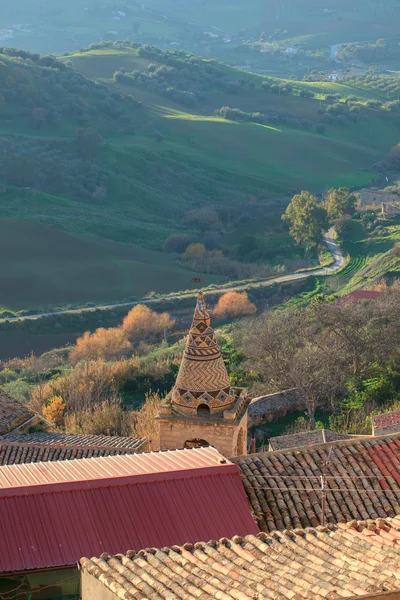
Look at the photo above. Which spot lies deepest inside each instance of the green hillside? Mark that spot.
(126, 158)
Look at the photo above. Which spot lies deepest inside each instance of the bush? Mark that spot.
(108, 418)
(373, 103)
(234, 304)
(19, 390)
(109, 344)
(319, 128)
(142, 324)
(178, 243)
(54, 411)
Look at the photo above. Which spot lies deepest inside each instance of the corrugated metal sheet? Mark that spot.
(160, 499)
(94, 469)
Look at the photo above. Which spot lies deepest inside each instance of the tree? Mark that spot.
(308, 220)
(89, 141)
(109, 344)
(340, 202)
(203, 219)
(145, 424)
(234, 304)
(142, 323)
(85, 387)
(55, 410)
(195, 251)
(177, 242)
(289, 353)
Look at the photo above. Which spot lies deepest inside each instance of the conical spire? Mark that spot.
(202, 377)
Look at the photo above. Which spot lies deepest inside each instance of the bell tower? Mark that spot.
(202, 407)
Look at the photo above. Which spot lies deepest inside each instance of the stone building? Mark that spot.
(203, 408)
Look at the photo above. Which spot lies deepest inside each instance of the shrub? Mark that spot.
(108, 418)
(234, 304)
(178, 242)
(54, 412)
(194, 251)
(109, 344)
(19, 390)
(142, 323)
(145, 424)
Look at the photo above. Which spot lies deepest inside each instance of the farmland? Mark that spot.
(155, 160)
(46, 266)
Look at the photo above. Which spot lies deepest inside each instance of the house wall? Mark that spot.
(228, 439)
(93, 589)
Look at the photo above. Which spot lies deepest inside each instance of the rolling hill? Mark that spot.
(126, 157)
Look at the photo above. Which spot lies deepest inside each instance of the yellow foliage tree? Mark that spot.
(234, 304)
(109, 344)
(54, 411)
(142, 323)
(195, 251)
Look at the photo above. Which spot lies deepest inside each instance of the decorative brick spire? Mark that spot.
(202, 378)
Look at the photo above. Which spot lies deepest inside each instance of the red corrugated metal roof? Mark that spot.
(52, 514)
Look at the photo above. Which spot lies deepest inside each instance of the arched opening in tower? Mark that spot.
(196, 443)
(203, 409)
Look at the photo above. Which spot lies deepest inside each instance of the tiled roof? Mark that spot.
(58, 512)
(338, 561)
(43, 447)
(12, 413)
(363, 481)
(362, 295)
(381, 423)
(306, 438)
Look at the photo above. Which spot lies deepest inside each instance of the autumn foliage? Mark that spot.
(234, 304)
(109, 344)
(54, 411)
(142, 324)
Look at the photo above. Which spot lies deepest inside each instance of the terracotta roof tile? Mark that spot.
(386, 423)
(306, 438)
(363, 481)
(12, 413)
(338, 561)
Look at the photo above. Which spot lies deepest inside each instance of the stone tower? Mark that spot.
(203, 408)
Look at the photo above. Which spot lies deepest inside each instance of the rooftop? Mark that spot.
(12, 413)
(338, 561)
(386, 423)
(359, 295)
(60, 511)
(362, 475)
(44, 447)
(306, 438)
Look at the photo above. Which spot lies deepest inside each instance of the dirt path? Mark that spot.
(334, 249)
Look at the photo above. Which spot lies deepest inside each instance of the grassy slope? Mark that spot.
(50, 267)
(201, 160)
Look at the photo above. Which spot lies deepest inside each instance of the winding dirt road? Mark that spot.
(333, 247)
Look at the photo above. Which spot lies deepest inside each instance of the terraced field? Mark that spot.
(353, 266)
